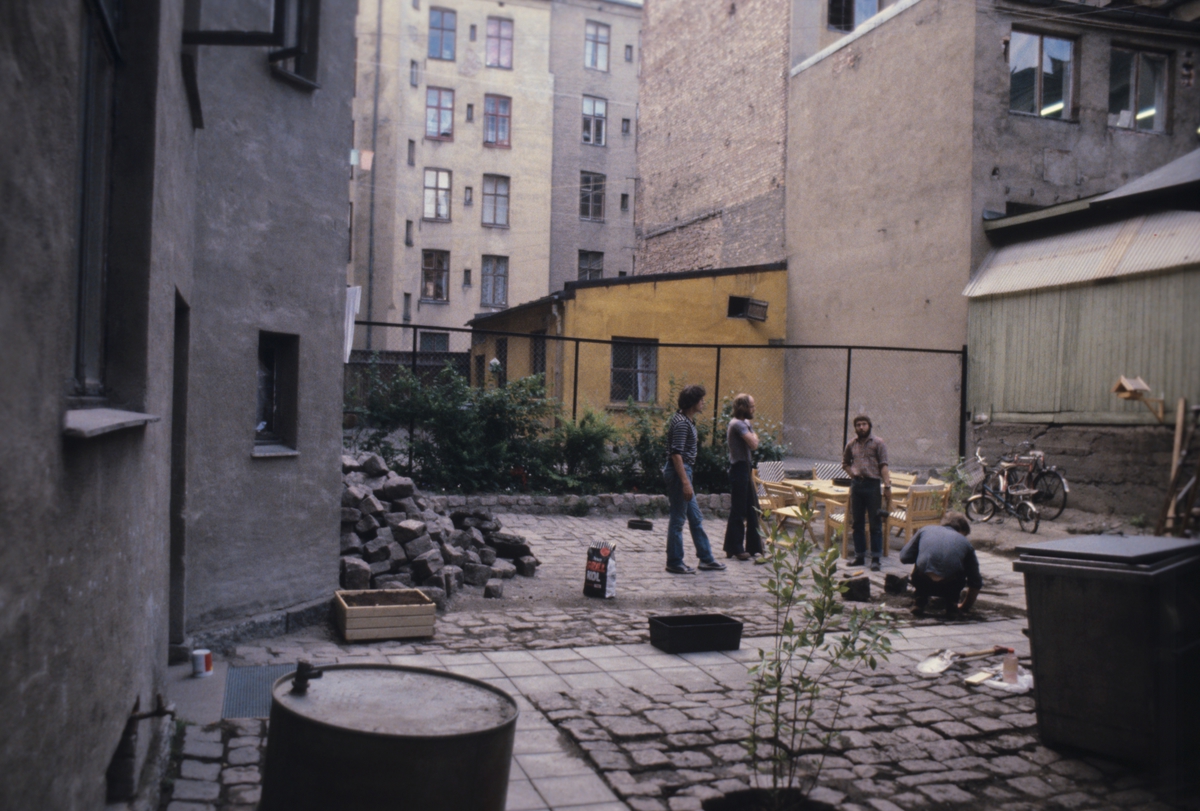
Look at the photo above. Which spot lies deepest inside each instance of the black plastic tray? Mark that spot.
(693, 633)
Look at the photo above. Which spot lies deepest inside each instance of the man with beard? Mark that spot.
(865, 460)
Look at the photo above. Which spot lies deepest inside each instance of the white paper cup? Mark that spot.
(201, 663)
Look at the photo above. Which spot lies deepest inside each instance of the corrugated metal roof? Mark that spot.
(1178, 172)
(1155, 242)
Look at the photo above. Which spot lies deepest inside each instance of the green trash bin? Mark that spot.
(1114, 628)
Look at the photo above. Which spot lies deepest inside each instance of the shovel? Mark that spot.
(940, 661)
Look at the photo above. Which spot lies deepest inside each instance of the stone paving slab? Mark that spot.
(609, 722)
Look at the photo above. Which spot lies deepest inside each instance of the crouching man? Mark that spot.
(944, 563)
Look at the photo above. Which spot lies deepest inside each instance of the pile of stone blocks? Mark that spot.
(395, 537)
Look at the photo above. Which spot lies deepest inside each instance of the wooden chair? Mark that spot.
(836, 511)
(925, 505)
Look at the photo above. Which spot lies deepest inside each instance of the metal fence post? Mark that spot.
(846, 410)
(575, 384)
(963, 416)
(412, 415)
(716, 396)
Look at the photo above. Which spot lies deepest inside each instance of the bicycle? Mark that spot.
(982, 506)
(1047, 485)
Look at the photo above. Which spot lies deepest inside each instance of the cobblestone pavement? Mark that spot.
(609, 722)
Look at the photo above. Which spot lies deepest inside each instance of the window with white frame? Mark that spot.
(437, 194)
(1137, 90)
(595, 112)
(494, 282)
(595, 46)
(1041, 75)
(495, 200)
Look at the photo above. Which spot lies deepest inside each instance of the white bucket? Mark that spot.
(202, 663)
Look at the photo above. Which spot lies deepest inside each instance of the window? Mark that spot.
(441, 33)
(296, 61)
(414, 73)
(537, 353)
(494, 284)
(591, 265)
(495, 200)
(439, 114)
(594, 110)
(1040, 75)
(1137, 90)
(591, 196)
(502, 358)
(624, 126)
(408, 306)
(275, 412)
(408, 233)
(98, 88)
(468, 196)
(497, 120)
(412, 152)
(634, 370)
(499, 43)
(595, 46)
(628, 53)
(435, 275)
(472, 37)
(437, 194)
(624, 202)
(846, 15)
(470, 112)
(435, 342)
(466, 277)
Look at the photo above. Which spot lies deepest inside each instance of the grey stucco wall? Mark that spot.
(616, 160)
(271, 247)
(83, 523)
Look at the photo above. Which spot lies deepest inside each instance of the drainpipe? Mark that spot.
(374, 173)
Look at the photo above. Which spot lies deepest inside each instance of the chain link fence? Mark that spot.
(807, 396)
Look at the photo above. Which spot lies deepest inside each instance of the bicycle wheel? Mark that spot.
(1051, 497)
(1028, 516)
(980, 508)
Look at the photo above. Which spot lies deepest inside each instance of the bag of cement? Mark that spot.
(600, 579)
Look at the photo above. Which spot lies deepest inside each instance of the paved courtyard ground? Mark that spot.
(609, 722)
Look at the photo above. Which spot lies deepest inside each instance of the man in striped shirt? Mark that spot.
(682, 444)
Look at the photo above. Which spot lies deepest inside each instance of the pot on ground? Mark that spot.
(765, 799)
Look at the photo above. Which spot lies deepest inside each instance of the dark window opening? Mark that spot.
(466, 277)
(296, 61)
(480, 365)
(435, 342)
(472, 34)
(537, 353)
(591, 265)
(412, 152)
(742, 307)
(470, 112)
(468, 195)
(414, 73)
(435, 275)
(628, 53)
(278, 367)
(591, 196)
(846, 15)
(501, 367)
(624, 126)
(408, 233)
(634, 370)
(408, 306)
(624, 202)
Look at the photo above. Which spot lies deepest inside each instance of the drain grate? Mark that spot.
(248, 690)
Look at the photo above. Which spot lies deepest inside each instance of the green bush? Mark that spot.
(471, 439)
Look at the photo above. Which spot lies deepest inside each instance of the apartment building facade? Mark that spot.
(460, 116)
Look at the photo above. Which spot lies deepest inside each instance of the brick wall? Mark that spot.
(712, 127)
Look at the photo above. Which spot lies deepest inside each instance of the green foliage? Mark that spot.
(960, 485)
(1138, 521)
(819, 643)
(472, 439)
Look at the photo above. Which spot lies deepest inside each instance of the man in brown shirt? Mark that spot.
(865, 460)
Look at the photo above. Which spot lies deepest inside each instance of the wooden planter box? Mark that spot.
(383, 614)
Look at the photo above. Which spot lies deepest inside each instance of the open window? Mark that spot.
(1041, 75)
(1137, 90)
(278, 377)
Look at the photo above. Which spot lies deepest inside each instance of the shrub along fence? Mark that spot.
(476, 410)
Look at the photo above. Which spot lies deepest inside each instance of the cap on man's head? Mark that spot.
(862, 418)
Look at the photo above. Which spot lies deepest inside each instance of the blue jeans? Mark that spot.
(681, 509)
(866, 500)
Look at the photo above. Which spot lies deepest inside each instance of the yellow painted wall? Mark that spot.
(682, 310)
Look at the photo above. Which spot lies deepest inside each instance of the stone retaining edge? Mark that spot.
(641, 504)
